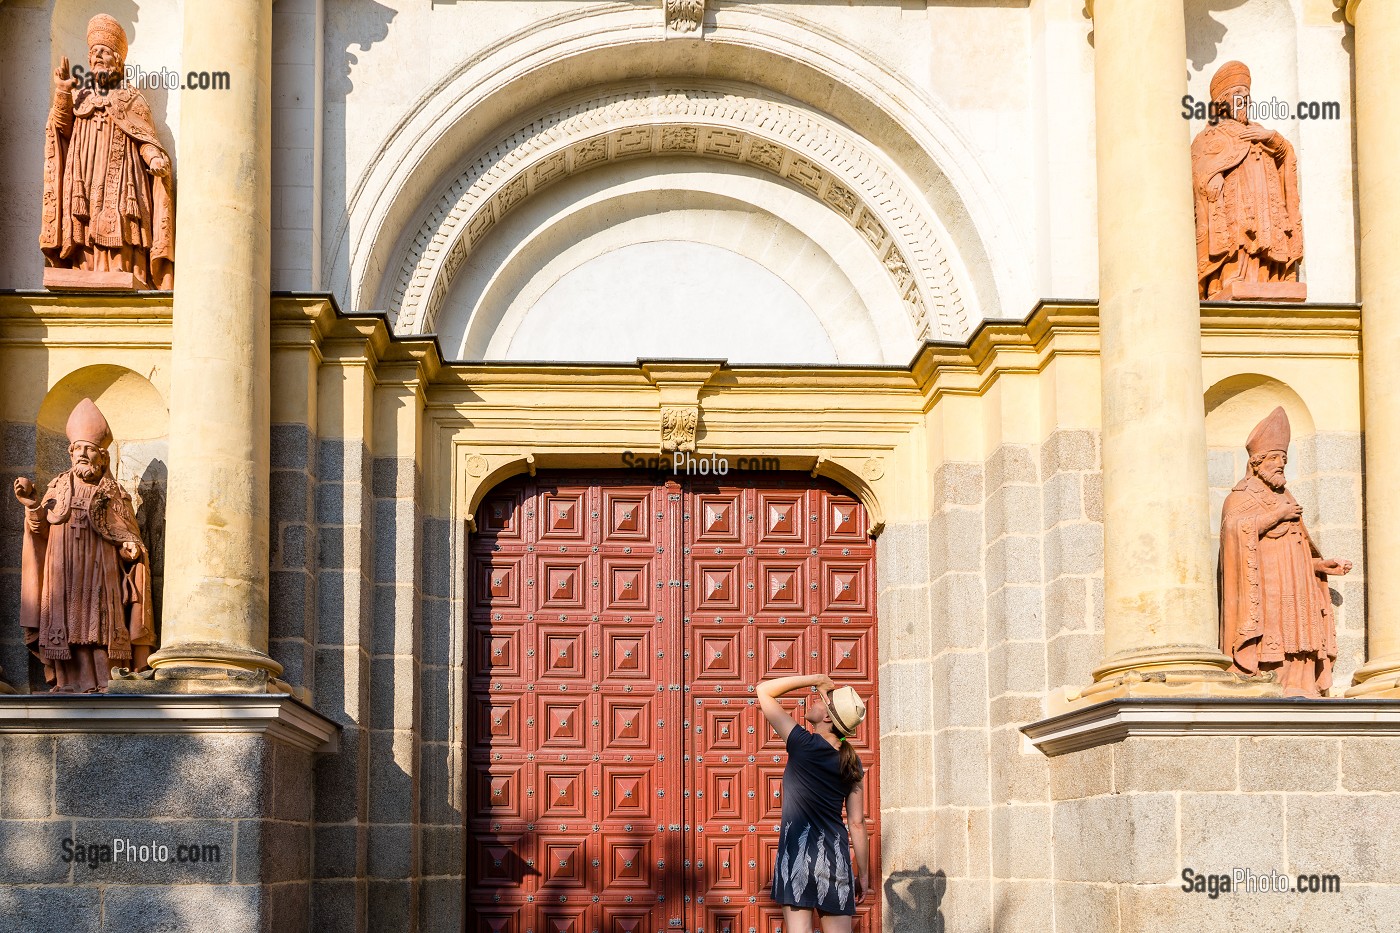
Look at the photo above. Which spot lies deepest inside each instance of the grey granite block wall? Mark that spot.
(292, 600)
(232, 813)
(442, 653)
(397, 568)
(342, 508)
(1129, 818)
(1017, 563)
(955, 841)
(17, 459)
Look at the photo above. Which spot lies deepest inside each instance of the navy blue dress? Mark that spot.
(814, 864)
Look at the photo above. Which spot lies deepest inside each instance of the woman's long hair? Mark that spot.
(851, 771)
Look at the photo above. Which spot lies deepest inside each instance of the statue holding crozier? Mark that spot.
(85, 585)
(1275, 606)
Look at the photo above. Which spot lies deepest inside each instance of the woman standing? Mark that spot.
(813, 876)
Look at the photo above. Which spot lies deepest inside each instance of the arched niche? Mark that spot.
(1234, 405)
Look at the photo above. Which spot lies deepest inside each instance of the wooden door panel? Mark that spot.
(569, 696)
(620, 775)
(784, 575)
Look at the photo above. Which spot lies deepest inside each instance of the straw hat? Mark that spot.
(847, 710)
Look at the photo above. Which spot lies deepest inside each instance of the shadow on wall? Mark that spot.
(1205, 33)
(914, 900)
(368, 22)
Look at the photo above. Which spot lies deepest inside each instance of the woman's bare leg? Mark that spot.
(797, 919)
(835, 923)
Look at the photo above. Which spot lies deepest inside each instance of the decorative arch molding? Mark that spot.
(820, 158)
(482, 473)
(604, 44)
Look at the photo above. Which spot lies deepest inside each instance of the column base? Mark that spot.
(204, 669)
(1376, 680)
(1207, 682)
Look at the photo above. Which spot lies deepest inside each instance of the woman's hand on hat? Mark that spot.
(824, 683)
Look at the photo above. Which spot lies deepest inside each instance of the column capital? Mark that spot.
(1348, 8)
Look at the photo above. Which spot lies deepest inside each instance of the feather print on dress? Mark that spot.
(780, 879)
(801, 865)
(822, 870)
(842, 872)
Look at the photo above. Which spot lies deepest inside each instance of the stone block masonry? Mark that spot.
(116, 828)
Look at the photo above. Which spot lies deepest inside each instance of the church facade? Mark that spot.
(537, 378)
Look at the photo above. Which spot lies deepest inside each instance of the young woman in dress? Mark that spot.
(813, 877)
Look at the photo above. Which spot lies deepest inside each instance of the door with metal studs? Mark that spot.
(621, 778)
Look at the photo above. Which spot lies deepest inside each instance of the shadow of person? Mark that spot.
(914, 898)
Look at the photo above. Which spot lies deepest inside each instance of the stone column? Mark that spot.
(1377, 65)
(1160, 615)
(216, 577)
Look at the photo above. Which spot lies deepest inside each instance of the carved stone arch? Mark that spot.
(600, 45)
(817, 156)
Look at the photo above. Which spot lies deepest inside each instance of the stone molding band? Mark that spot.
(829, 164)
(276, 715)
(1122, 718)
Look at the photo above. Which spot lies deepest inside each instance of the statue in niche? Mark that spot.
(109, 207)
(1275, 606)
(1249, 231)
(85, 590)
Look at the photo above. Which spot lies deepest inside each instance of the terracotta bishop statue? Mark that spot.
(1249, 229)
(109, 209)
(85, 596)
(1275, 606)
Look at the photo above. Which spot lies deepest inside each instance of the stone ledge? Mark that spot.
(276, 715)
(1116, 720)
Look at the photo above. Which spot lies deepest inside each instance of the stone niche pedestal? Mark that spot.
(219, 787)
(87, 280)
(1263, 291)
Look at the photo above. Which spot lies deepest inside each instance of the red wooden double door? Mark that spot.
(622, 778)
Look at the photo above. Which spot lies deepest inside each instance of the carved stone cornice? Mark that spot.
(826, 161)
(1348, 8)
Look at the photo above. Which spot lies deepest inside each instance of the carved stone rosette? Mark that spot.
(678, 429)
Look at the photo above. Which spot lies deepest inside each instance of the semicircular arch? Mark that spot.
(606, 45)
(813, 155)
